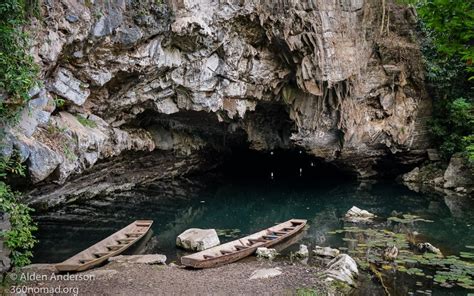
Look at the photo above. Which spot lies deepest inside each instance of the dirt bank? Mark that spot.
(142, 279)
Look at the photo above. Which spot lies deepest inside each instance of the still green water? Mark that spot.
(249, 205)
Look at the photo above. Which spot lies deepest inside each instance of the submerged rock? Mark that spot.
(196, 239)
(265, 273)
(302, 252)
(357, 215)
(140, 259)
(342, 268)
(325, 252)
(266, 253)
(427, 247)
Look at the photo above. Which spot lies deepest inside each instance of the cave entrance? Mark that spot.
(280, 165)
(257, 147)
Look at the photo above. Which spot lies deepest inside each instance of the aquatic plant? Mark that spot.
(367, 245)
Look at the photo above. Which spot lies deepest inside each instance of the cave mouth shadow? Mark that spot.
(281, 164)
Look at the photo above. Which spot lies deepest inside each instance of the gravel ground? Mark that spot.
(143, 279)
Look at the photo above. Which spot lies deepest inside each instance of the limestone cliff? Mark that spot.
(342, 80)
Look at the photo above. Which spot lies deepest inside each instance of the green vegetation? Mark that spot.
(448, 48)
(19, 239)
(368, 245)
(86, 122)
(306, 292)
(18, 75)
(17, 70)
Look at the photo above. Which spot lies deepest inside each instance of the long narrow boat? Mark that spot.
(106, 248)
(244, 247)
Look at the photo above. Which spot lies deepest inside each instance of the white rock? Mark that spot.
(325, 252)
(265, 273)
(266, 253)
(69, 87)
(427, 247)
(195, 239)
(357, 215)
(342, 268)
(302, 252)
(140, 259)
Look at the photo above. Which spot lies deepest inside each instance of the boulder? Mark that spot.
(412, 176)
(342, 268)
(140, 259)
(427, 247)
(266, 253)
(196, 239)
(459, 172)
(325, 252)
(302, 252)
(357, 215)
(265, 273)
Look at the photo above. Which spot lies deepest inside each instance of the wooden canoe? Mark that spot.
(106, 248)
(244, 247)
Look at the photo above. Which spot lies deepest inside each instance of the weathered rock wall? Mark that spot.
(324, 76)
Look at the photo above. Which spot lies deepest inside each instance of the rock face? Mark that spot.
(459, 173)
(342, 268)
(457, 178)
(5, 262)
(196, 239)
(181, 75)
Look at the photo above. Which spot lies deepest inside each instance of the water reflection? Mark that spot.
(250, 205)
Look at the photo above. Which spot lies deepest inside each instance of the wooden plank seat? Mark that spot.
(113, 247)
(256, 240)
(280, 232)
(126, 240)
(133, 234)
(289, 228)
(240, 247)
(101, 254)
(270, 237)
(225, 252)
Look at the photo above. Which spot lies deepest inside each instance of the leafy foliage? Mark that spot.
(18, 72)
(452, 25)
(86, 122)
(448, 48)
(19, 239)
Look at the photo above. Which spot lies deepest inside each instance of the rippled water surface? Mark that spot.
(249, 205)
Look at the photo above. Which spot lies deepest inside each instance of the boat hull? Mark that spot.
(109, 247)
(198, 260)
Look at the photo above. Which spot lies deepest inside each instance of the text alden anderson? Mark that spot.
(27, 276)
